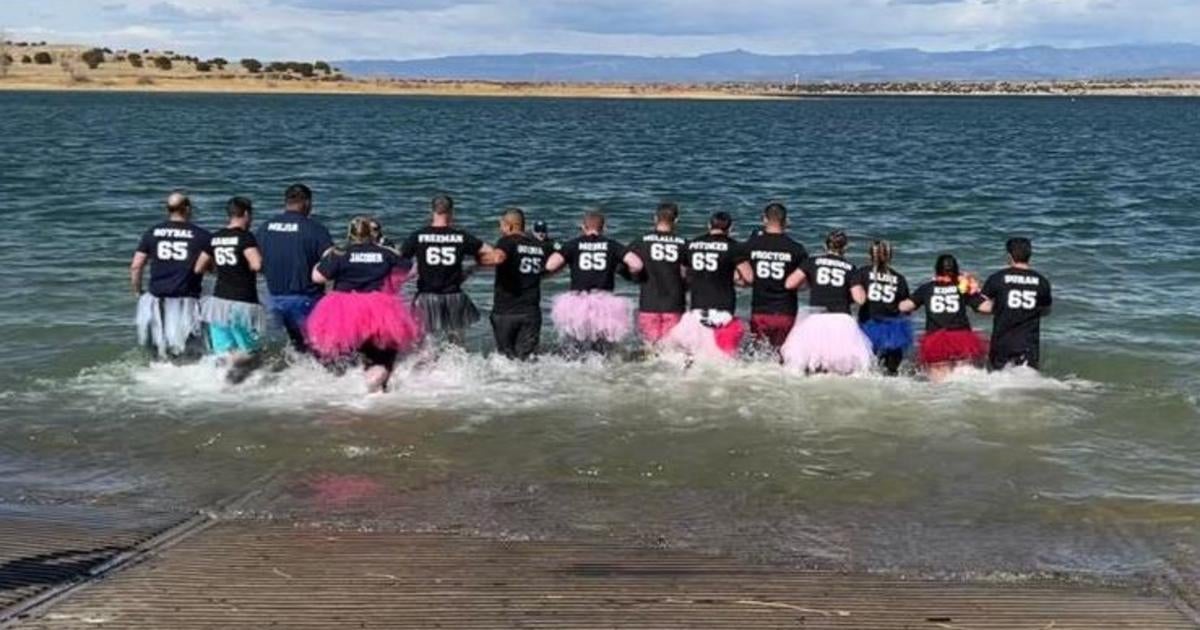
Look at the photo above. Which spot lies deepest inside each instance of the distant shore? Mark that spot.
(75, 68)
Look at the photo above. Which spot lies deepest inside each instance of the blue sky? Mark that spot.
(401, 29)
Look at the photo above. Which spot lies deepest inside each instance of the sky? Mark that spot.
(405, 29)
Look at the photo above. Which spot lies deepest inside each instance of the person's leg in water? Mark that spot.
(378, 364)
(292, 312)
(890, 361)
(245, 357)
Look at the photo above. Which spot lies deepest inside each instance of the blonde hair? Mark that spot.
(363, 229)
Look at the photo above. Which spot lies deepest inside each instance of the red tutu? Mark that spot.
(945, 346)
(343, 322)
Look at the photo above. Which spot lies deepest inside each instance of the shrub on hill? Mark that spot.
(93, 58)
(323, 67)
(26, 59)
(135, 60)
(43, 58)
(163, 62)
(252, 65)
(203, 66)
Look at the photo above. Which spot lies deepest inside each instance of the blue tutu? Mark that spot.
(889, 334)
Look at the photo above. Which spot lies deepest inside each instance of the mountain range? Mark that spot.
(1031, 63)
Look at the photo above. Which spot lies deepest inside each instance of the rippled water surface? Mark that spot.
(1088, 470)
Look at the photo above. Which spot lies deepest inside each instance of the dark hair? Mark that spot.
(297, 194)
(881, 255)
(720, 220)
(1020, 249)
(443, 205)
(593, 220)
(775, 213)
(238, 207)
(667, 211)
(837, 241)
(516, 216)
(946, 265)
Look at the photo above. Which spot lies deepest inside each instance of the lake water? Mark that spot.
(1090, 470)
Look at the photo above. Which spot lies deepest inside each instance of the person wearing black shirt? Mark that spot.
(948, 341)
(1019, 297)
(364, 313)
(828, 340)
(590, 315)
(878, 289)
(517, 304)
(291, 242)
(233, 314)
(168, 316)
(715, 263)
(774, 257)
(439, 251)
(656, 261)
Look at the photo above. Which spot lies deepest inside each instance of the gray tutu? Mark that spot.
(445, 311)
(167, 324)
(222, 312)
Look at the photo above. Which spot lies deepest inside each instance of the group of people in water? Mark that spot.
(346, 301)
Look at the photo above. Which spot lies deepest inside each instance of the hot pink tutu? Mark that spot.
(592, 316)
(343, 322)
(706, 340)
(828, 342)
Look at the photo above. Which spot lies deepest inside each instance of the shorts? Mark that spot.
(1000, 357)
(440, 312)
(225, 339)
(518, 334)
(655, 326)
(771, 327)
(374, 356)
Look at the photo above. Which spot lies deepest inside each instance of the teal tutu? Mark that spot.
(888, 335)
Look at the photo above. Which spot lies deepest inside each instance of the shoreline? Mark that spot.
(483, 89)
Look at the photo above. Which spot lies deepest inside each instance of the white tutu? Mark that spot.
(828, 342)
(167, 324)
(215, 310)
(592, 316)
(708, 335)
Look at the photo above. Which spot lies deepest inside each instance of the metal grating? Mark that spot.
(259, 575)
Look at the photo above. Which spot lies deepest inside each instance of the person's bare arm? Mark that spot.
(203, 263)
(987, 307)
(907, 306)
(254, 259)
(743, 274)
(135, 272)
(318, 277)
(634, 262)
(795, 280)
(555, 263)
(859, 294)
(489, 256)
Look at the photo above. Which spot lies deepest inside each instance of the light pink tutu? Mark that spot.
(827, 342)
(343, 322)
(704, 341)
(592, 316)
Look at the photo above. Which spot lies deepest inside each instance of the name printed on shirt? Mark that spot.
(1031, 281)
(439, 238)
(169, 232)
(283, 227)
(711, 246)
(531, 250)
(366, 257)
(601, 246)
(224, 241)
(771, 256)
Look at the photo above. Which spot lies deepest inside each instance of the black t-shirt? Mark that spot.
(439, 253)
(172, 248)
(593, 259)
(663, 289)
(1021, 297)
(945, 306)
(774, 257)
(885, 291)
(360, 268)
(828, 277)
(711, 261)
(291, 244)
(519, 277)
(235, 280)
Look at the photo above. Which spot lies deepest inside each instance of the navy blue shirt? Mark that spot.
(173, 247)
(360, 268)
(291, 244)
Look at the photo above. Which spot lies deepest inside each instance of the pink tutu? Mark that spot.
(343, 322)
(592, 316)
(828, 342)
(704, 340)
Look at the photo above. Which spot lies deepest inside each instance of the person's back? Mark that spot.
(879, 289)
(656, 260)
(590, 316)
(710, 329)
(829, 276)
(168, 315)
(1019, 298)
(774, 257)
(517, 305)
(711, 261)
(292, 243)
(593, 259)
